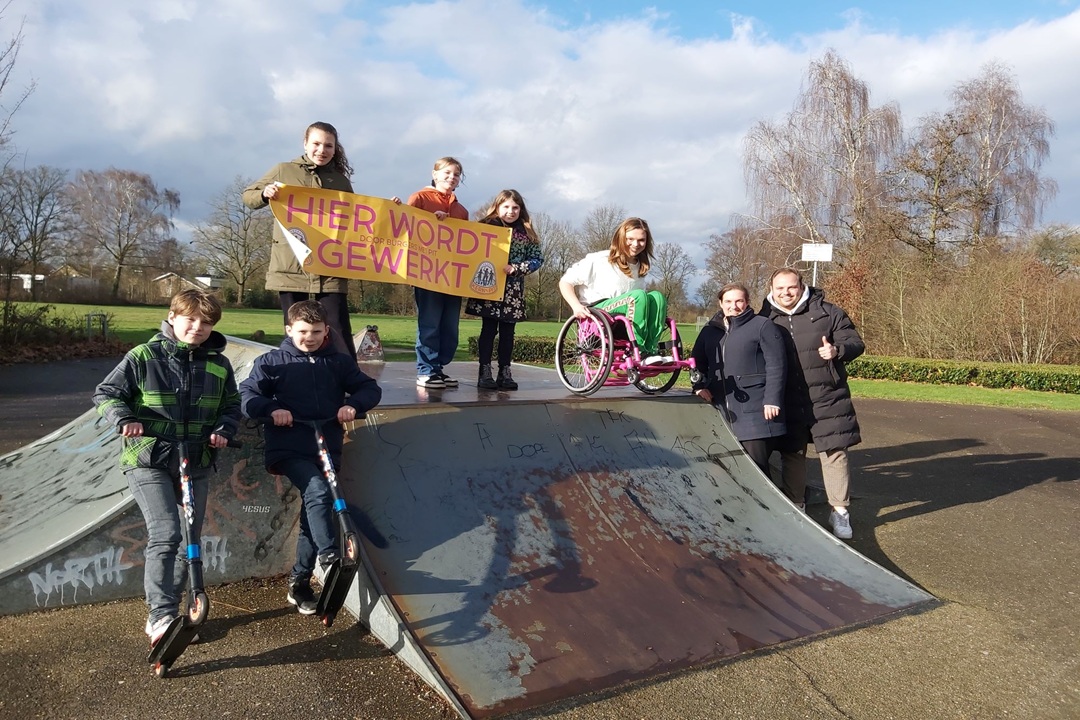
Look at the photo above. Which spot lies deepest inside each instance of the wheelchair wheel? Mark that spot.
(583, 353)
(656, 384)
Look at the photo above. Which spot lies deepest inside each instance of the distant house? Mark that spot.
(167, 285)
(67, 271)
(211, 282)
(28, 280)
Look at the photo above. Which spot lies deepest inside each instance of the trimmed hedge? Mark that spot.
(1045, 378)
(540, 350)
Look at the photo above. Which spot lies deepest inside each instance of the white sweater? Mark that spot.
(594, 278)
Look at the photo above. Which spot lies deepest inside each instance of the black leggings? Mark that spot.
(486, 344)
(337, 315)
(759, 451)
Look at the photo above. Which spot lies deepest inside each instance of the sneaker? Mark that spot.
(430, 381)
(658, 360)
(841, 524)
(801, 506)
(303, 598)
(156, 630)
(447, 380)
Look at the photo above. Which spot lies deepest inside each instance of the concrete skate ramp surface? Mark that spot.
(540, 546)
(70, 531)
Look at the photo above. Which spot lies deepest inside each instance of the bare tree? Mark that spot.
(1058, 247)
(672, 269)
(9, 54)
(9, 233)
(1005, 143)
(746, 256)
(559, 247)
(972, 175)
(817, 175)
(11, 237)
(928, 189)
(233, 239)
(599, 227)
(483, 208)
(123, 214)
(43, 213)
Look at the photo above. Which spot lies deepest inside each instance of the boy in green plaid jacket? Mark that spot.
(178, 387)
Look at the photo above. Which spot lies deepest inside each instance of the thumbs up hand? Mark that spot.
(828, 351)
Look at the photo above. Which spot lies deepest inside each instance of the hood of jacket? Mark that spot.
(717, 320)
(309, 165)
(810, 295)
(434, 198)
(289, 347)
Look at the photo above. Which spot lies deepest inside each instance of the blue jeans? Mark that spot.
(437, 316)
(157, 493)
(317, 537)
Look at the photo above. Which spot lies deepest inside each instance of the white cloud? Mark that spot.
(621, 112)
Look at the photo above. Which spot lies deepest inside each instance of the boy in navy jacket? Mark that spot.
(307, 379)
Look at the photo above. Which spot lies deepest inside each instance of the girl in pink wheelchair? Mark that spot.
(614, 280)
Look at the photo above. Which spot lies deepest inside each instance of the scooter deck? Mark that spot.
(335, 589)
(173, 643)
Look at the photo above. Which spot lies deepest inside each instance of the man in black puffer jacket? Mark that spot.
(821, 340)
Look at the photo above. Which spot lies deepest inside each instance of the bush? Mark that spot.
(1045, 378)
(31, 333)
(539, 350)
(1042, 378)
(261, 298)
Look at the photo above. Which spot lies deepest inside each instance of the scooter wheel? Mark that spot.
(352, 548)
(161, 670)
(328, 620)
(198, 609)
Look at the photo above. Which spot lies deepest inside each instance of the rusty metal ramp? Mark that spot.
(528, 548)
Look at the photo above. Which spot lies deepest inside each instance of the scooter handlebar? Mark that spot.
(232, 442)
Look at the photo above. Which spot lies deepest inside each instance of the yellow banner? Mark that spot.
(355, 236)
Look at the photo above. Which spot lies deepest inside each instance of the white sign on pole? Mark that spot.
(817, 252)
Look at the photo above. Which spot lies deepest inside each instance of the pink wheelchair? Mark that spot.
(602, 351)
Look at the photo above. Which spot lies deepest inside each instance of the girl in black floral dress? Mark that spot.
(499, 317)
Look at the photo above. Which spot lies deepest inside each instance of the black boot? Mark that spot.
(505, 381)
(486, 381)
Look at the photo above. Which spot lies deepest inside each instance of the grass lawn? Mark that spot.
(964, 395)
(134, 324)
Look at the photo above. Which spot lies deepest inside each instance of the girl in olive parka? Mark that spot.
(323, 165)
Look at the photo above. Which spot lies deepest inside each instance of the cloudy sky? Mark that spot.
(575, 103)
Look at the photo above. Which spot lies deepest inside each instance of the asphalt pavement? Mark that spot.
(978, 506)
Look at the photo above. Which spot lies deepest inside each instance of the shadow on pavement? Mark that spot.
(342, 645)
(899, 482)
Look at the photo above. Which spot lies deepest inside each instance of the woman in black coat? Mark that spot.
(744, 367)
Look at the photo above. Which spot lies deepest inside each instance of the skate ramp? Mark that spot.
(71, 533)
(534, 547)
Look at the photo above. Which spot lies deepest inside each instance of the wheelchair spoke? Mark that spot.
(583, 354)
